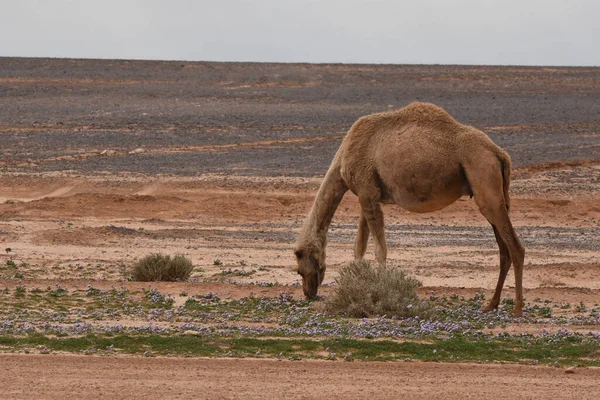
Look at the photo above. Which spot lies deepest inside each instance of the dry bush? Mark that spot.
(160, 267)
(364, 291)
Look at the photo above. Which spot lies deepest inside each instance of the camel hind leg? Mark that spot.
(362, 236)
(516, 252)
(487, 185)
(505, 262)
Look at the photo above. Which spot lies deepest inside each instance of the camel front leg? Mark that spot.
(371, 211)
(362, 236)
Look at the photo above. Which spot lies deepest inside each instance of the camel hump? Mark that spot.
(426, 113)
(416, 113)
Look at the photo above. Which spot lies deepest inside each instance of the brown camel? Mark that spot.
(422, 159)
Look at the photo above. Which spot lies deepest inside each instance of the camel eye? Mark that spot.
(299, 254)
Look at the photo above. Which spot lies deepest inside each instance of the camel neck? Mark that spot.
(328, 198)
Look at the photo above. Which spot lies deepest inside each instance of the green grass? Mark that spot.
(294, 329)
(162, 345)
(573, 352)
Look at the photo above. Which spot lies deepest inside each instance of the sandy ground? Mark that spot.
(76, 228)
(231, 157)
(89, 377)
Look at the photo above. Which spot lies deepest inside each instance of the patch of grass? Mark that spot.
(581, 307)
(157, 299)
(20, 291)
(162, 345)
(87, 321)
(364, 291)
(253, 309)
(266, 284)
(540, 311)
(236, 272)
(160, 267)
(58, 292)
(456, 349)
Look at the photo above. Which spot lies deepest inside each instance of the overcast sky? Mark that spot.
(522, 32)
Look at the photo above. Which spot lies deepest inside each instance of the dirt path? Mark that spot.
(87, 377)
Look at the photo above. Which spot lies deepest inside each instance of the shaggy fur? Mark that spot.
(422, 159)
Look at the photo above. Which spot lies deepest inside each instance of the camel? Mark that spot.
(423, 160)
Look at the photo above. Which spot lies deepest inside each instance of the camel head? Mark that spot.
(311, 266)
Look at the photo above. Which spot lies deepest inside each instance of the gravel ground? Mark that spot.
(190, 118)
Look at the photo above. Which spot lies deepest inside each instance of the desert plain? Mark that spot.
(105, 161)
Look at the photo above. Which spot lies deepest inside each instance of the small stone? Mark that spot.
(570, 370)
(108, 153)
(190, 333)
(137, 151)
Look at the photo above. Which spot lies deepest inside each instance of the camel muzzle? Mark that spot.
(310, 285)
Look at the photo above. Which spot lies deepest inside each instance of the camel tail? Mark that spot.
(505, 164)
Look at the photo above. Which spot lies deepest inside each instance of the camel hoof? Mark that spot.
(517, 313)
(313, 298)
(488, 308)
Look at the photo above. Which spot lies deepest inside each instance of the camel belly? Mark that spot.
(427, 195)
(420, 205)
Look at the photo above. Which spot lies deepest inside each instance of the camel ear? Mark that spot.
(298, 253)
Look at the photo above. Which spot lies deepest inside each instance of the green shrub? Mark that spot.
(160, 267)
(364, 291)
